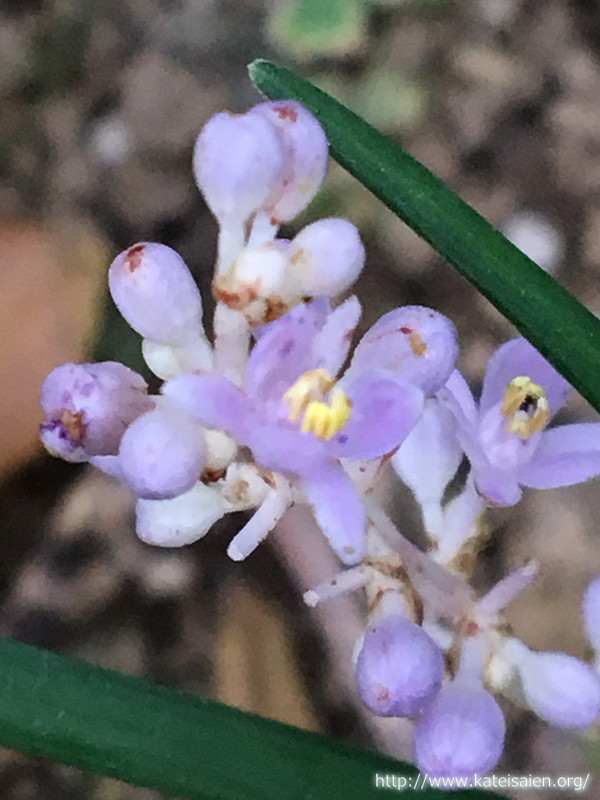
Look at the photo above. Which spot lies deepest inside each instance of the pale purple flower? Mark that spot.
(88, 408)
(460, 733)
(399, 668)
(306, 154)
(505, 435)
(559, 688)
(155, 292)
(325, 258)
(239, 164)
(413, 341)
(299, 421)
(162, 453)
(428, 459)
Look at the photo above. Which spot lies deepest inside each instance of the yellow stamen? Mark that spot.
(526, 407)
(325, 412)
(314, 383)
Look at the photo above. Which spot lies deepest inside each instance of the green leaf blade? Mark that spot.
(560, 327)
(98, 720)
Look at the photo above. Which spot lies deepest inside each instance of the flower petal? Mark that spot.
(519, 358)
(283, 352)
(462, 397)
(212, 400)
(338, 510)
(332, 342)
(281, 448)
(430, 456)
(416, 343)
(565, 455)
(384, 411)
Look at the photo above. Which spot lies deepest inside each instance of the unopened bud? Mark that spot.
(306, 154)
(155, 292)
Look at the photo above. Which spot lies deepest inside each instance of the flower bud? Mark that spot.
(154, 290)
(428, 477)
(399, 668)
(180, 520)
(591, 613)
(162, 454)
(239, 162)
(560, 688)
(306, 151)
(417, 343)
(460, 733)
(256, 285)
(326, 258)
(88, 408)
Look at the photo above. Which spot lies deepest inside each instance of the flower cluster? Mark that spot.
(265, 414)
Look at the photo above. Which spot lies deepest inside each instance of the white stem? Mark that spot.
(232, 238)
(472, 659)
(460, 523)
(262, 523)
(232, 343)
(263, 229)
(347, 581)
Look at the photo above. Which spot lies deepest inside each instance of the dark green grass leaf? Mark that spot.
(98, 720)
(560, 327)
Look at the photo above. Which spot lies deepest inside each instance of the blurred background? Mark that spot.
(100, 102)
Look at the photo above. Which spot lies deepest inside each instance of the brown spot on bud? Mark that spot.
(133, 259)
(212, 475)
(415, 340)
(285, 112)
(73, 425)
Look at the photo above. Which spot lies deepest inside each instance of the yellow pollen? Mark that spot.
(325, 411)
(525, 406)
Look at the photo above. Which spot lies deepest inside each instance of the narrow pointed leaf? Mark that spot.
(560, 327)
(98, 720)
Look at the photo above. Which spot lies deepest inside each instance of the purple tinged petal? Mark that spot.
(497, 485)
(460, 733)
(162, 454)
(212, 400)
(331, 344)
(283, 353)
(431, 454)
(519, 358)
(384, 411)
(282, 448)
(591, 613)
(338, 510)
(154, 290)
(88, 407)
(561, 689)
(457, 388)
(565, 455)
(239, 164)
(417, 343)
(306, 154)
(326, 258)
(399, 669)
(109, 465)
